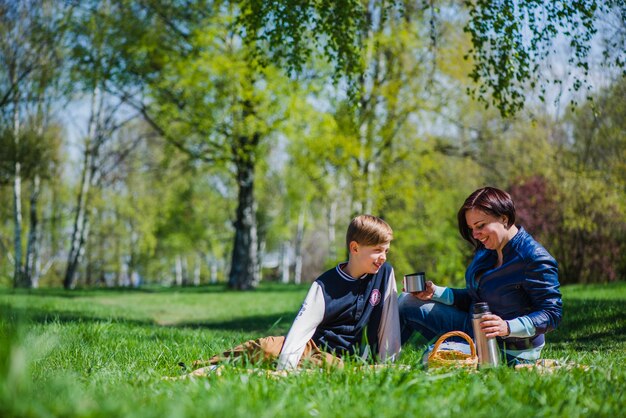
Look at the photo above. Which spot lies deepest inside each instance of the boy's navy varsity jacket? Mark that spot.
(352, 311)
(343, 315)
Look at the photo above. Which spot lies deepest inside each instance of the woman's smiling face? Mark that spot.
(489, 230)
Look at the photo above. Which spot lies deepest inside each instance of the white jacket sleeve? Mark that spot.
(389, 329)
(310, 316)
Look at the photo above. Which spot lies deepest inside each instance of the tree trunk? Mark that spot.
(260, 255)
(178, 271)
(89, 266)
(17, 220)
(34, 237)
(244, 271)
(185, 270)
(81, 218)
(130, 259)
(124, 273)
(369, 203)
(332, 222)
(18, 273)
(297, 275)
(32, 248)
(284, 262)
(214, 272)
(196, 271)
(135, 279)
(212, 263)
(79, 228)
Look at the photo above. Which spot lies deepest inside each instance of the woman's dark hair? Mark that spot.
(490, 200)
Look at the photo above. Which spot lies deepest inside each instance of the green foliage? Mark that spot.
(599, 145)
(511, 39)
(39, 151)
(106, 352)
(585, 211)
(293, 30)
(421, 197)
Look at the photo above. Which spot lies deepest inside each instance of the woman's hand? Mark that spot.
(427, 293)
(494, 326)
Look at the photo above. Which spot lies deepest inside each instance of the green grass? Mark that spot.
(103, 353)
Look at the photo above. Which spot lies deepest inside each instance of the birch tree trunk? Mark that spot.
(124, 279)
(332, 231)
(185, 270)
(81, 221)
(284, 262)
(178, 271)
(32, 247)
(297, 275)
(196, 271)
(214, 272)
(260, 255)
(34, 236)
(18, 273)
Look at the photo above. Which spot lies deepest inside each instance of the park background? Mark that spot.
(159, 157)
(154, 143)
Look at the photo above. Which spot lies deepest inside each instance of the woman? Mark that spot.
(510, 271)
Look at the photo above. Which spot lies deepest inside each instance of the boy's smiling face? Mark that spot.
(366, 259)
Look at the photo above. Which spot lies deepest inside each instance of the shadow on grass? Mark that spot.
(269, 287)
(590, 324)
(275, 323)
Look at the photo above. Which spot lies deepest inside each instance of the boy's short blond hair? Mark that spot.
(368, 230)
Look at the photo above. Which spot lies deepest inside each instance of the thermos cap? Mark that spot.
(481, 307)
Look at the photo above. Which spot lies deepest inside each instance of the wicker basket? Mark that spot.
(453, 358)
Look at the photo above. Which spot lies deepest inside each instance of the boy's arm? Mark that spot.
(310, 316)
(389, 330)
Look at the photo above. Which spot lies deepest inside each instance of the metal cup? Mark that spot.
(415, 282)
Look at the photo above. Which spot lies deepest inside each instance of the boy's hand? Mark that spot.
(427, 293)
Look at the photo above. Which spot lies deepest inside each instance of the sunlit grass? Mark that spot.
(104, 352)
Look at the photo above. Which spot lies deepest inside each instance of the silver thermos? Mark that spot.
(488, 353)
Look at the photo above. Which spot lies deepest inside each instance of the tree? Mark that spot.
(566, 177)
(306, 182)
(28, 77)
(204, 95)
(594, 189)
(94, 66)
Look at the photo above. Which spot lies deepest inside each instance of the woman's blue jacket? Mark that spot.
(526, 284)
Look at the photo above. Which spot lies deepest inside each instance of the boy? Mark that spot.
(351, 309)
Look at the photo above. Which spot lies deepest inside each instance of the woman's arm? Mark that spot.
(461, 299)
(541, 283)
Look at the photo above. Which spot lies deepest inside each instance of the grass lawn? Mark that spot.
(104, 352)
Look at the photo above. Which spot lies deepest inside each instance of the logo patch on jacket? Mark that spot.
(375, 297)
